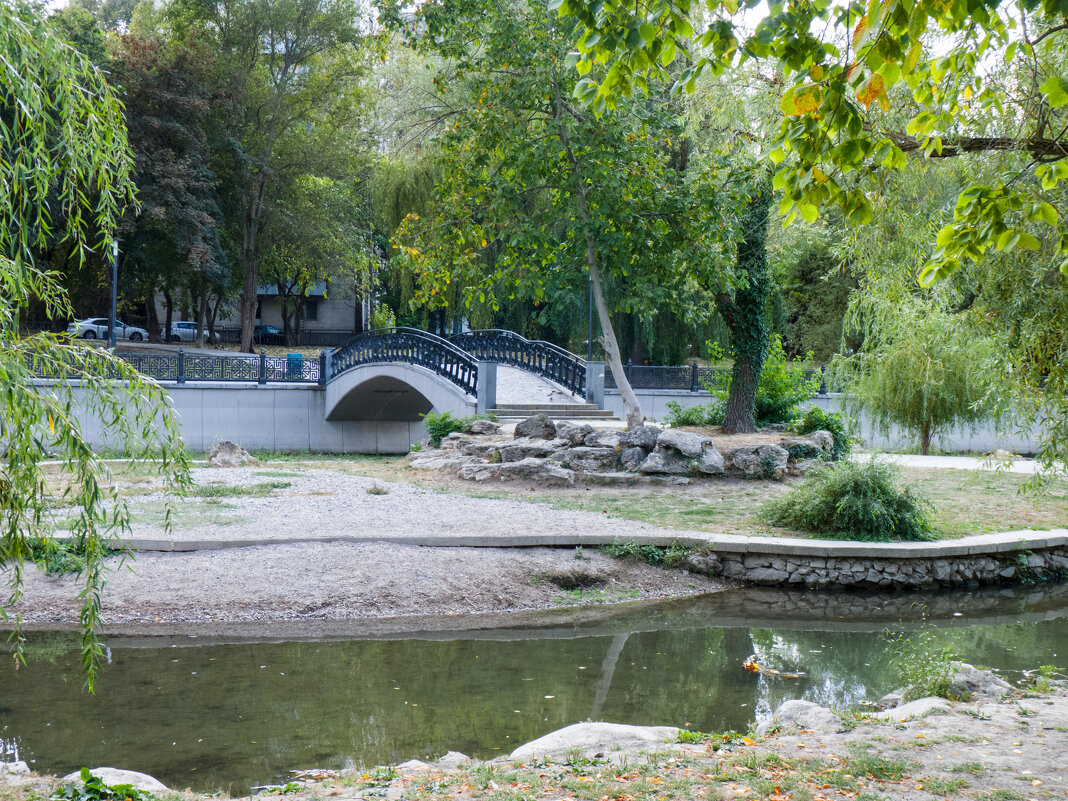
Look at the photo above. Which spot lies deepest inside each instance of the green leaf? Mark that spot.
(1029, 242)
(1056, 91)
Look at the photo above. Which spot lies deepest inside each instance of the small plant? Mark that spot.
(714, 740)
(853, 501)
(59, 558)
(440, 424)
(701, 414)
(924, 665)
(94, 789)
(875, 767)
(816, 419)
(377, 489)
(655, 555)
(938, 786)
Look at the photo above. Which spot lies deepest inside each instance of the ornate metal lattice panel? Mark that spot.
(536, 356)
(409, 346)
(160, 366)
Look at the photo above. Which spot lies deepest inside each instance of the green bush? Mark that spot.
(923, 663)
(440, 424)
(855, 502)
(784, 384)
(703, 414)
(815, 419)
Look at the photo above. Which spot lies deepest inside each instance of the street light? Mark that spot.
(114, 291)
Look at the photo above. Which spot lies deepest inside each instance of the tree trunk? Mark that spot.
(631, 408)
(297, 314)
(213, 313)
(249, 300)
(744, 315)
(152, 317)
(925, 439)
(169, 303)
(202, 315)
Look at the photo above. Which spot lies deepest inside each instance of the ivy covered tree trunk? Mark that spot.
(744, 315)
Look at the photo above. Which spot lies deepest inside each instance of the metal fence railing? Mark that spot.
(181, 367)
(684, 378)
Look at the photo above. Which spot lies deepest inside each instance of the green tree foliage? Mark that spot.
(64, 169)
(537, 195)
(287, 73)
(923, 369)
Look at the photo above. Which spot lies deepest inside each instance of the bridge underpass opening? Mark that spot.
(382, 398)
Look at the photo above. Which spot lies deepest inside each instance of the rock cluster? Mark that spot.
(889, 573)
(229, 454)
(554, 453)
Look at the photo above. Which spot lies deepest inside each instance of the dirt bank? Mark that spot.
(336, 581)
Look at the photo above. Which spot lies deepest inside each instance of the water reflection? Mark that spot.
(233, 714)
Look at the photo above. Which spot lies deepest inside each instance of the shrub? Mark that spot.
(815, 419)
(784, 384)
(440, 424)
(703, 414)
(853, 501)
(923, 664)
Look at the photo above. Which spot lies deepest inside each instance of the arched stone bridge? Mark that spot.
(403, 373)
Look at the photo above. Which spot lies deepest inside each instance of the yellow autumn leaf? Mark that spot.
(871, 90)
(816, 71)
(801, 100)
(860, 30)
(51, 424)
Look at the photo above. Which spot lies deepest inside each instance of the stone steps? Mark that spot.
(556, 411)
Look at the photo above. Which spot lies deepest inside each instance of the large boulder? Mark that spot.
(596, 737)
(682, 441)
(763, 461)
(969, 682)
(482, 449)
(115, 776)
(710, 462)
(919, 708)
(483, 427)
(604, 438)
(538, 426)
(804, 715)
(530, 448)
(17, 768)
(587, 460)
(441, 461)
(540, 471)
(664, 461)
(643, 437)
(824, 440)
(801, 449)
(575, 433)
(632, 458)
(229, 454)
(455, 441)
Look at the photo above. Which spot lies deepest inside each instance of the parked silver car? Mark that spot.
(97, 328)
(183, 331)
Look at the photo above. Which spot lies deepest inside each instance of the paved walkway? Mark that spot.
(1019, 465)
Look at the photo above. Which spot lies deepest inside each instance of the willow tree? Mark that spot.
(65, 174)
(535, 190)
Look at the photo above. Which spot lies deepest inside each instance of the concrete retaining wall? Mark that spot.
(985, 439)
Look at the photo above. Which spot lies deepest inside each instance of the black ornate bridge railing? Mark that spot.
(686, 378)
(247, 368)
(537, 356)
(411, 346)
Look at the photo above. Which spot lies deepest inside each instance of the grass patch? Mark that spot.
(876, 767)
(936, 785)
(261, 490)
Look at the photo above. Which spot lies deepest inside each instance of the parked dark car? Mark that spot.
(267, 335)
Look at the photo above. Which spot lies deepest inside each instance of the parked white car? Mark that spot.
(183, 331)
(97, 328)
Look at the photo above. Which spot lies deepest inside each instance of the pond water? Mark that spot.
(209, 713)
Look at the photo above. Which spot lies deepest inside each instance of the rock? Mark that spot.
(604, 438)
(890, 700)
(540, 471)
(483, 427)
(632, 458)
(661, 461)
(804, 715)
(452, 759)
(575, 433)
(596, 737)
(1003, 455)
(643, 437)
(587, 460)
(682, 441)
(764, 461)
(483, 450)
(537, 426)
(705, 563)
(670, 481)
(114, 776)
(969, 682)
(710, 461)
(412, 766)
(449, 461)
(480, 472)
(18, 768)
(530, 448)
(229, 454)
(455, 441)
(613, 479)
(801, 449)
(824, 440)
(766, 576)
(913, 709)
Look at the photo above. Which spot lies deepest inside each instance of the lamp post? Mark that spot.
(114, 291)
(589, 321)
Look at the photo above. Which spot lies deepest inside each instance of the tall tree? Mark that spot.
(65, 169)
(285, 68)
(534, 190)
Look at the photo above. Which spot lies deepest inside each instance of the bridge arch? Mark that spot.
(393, 391)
